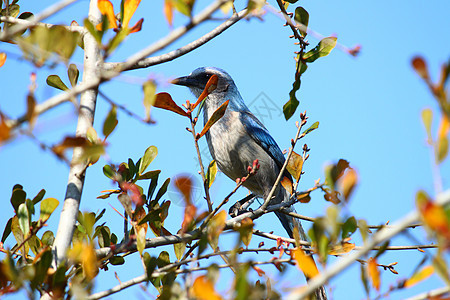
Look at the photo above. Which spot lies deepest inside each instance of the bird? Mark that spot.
(237, 139)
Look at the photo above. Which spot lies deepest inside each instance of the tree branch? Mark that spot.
(379, 237)
(92, 59)
(35, 19)
(156, 60)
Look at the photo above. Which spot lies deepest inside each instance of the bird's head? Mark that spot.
(196, 81)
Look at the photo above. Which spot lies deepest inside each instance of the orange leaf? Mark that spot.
(211, 85)
(417, 277)
(189, 214)
(305, 263)
(342, 248)
(444, 127)
(168, 11)
(184, 185)
(129, 8)
(203, 289)
(70, 142)
(374, 273)
(214, 118)
(2, 59)
(348, 182)
(164, 101)
(287, 184)
(137, 27)
(5, 130)
(433, 214)
(106, 8)
(260, 272)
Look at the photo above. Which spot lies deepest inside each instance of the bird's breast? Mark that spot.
(234, 151)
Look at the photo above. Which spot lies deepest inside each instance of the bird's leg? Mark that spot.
(241, 206)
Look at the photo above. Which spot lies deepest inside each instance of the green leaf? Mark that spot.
(148, 157)
(163, 259)
(39, 197)
(290, 106)
(322, 49)
(217, 114)
(179, 249)
(24, 219)
(441, 149)
(73, 74)
(211, 173)
(91, 28)
(18, 197)
(117, 260)
(30, 207)
(162, 189)
(149, 88)
(140, 240)
(311, 128)
(152, 187)
(349, 227)
(117, 40)
(41, 268)
(382, 249)
(184, 6)
(63, 41)
(150, 264)
(149, 174)
(302, 18)
(48, 206)
(110, 122)
(7, 230)
(48, 238)
(109, 172)
(56, 82)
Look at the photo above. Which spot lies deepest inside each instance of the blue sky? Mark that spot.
(368, 108)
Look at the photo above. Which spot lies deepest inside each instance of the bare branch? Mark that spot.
(432, 294)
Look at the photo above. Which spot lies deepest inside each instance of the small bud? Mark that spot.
(243, 179)
(292, 142)
(249, 169)
(188, 129)
(197, 136)
(238, 180)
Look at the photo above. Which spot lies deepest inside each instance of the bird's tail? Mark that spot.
(289, 223)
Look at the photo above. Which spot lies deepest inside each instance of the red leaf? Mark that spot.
(137, 27)
(164, 101)
(214, 118)
(211, 85)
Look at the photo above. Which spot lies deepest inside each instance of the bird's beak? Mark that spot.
(185, 81)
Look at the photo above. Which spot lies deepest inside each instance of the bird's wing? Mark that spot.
(262, 137)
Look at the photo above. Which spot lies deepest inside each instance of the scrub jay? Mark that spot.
(239, 138)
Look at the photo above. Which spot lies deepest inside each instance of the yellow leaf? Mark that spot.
(246, 231)
(129, 8)
(444, 127)
(295, 165)
(374, 273)
(305, 263)
(226, 7)
(106, 8)
(419, 276)
(203, 289)
(215, 228)
(341, 248)
(84, 253)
